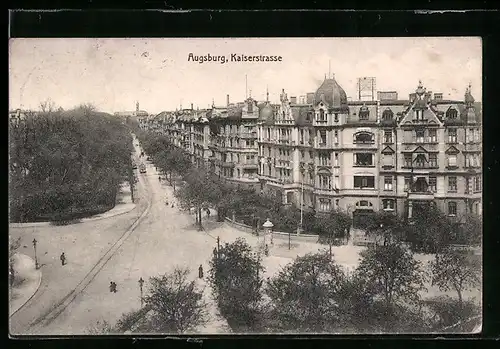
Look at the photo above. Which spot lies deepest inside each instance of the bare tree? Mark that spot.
(47, 106)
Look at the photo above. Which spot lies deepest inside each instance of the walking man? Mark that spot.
(200, 272)
(63, 258)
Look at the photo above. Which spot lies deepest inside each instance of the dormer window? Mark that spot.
(387, 115)
(364, 113)
(283, 115)
(451, 114)
(322, 115)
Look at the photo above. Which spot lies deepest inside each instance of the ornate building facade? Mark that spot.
(326, 152)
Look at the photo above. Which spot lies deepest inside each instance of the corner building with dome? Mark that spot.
(364, 156)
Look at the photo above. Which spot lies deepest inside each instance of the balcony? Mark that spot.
(227, 164)
(284, 122)
(420, 195)
(247, 135)
(249, 166)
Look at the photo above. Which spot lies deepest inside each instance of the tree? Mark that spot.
(393, 272)
(430, 230)
(471, 230)
(175, 304)
(334, 226)
(457, 270)
(304, 294)
(236, 279)
(199, 191)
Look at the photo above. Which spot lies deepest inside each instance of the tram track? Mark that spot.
(56, 310)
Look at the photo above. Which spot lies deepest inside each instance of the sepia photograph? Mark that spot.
(224, 186)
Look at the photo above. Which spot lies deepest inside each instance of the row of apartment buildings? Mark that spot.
(327, 152)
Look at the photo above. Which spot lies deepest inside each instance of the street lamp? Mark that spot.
(36, 259)
(141, 282)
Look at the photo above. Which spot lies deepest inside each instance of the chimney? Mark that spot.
(438, 96)
(293, 100)
(192, 106)
(310, 98)
(227, 100)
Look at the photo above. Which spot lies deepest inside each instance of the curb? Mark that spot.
(36, 290)
(83, 220)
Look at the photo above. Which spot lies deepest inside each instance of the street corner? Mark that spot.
(26, 282)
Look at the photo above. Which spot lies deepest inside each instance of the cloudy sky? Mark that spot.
(114, 73)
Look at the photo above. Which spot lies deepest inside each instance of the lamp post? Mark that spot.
(141, 282)
(36, 259)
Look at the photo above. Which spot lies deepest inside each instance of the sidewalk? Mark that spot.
(31, 279)
(123, 205)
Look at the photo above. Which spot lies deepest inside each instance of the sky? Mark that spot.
(114, 73)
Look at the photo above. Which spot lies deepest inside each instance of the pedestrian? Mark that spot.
(159, 179)
(200, 272)
(266, 250)
(208, 213)
(172, 205)
(63, 258)
(166, 202)
(111, 286)
(215, 251)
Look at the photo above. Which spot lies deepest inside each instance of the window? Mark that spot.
(336, 118)
(432, 136)
(322, 115)
(419, 115)
(407, 183)
(363, 137)
(452, 184)
(289, 197)
(433, 184)
(420, 161)
(387, 136)
(452, 208)
(407, 160)
(302, 154)
(452, 160)
(363, 159)
(420, 136)
(325, 182)
(452, 135)
(364, 113)
(301, 136)
(324, 159)
(324, 205)
(387, 115)
(433, 160)
(388, 204)
(387, 182)
(477, 183)
(364, 182)
(336, 137)
(336, 159)
(322, 135)
(451, 114)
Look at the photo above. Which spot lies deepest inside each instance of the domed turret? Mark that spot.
(266, 112)
(332, 94)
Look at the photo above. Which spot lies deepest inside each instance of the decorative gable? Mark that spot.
(420, 149)
(388, 150)
(452, 150)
